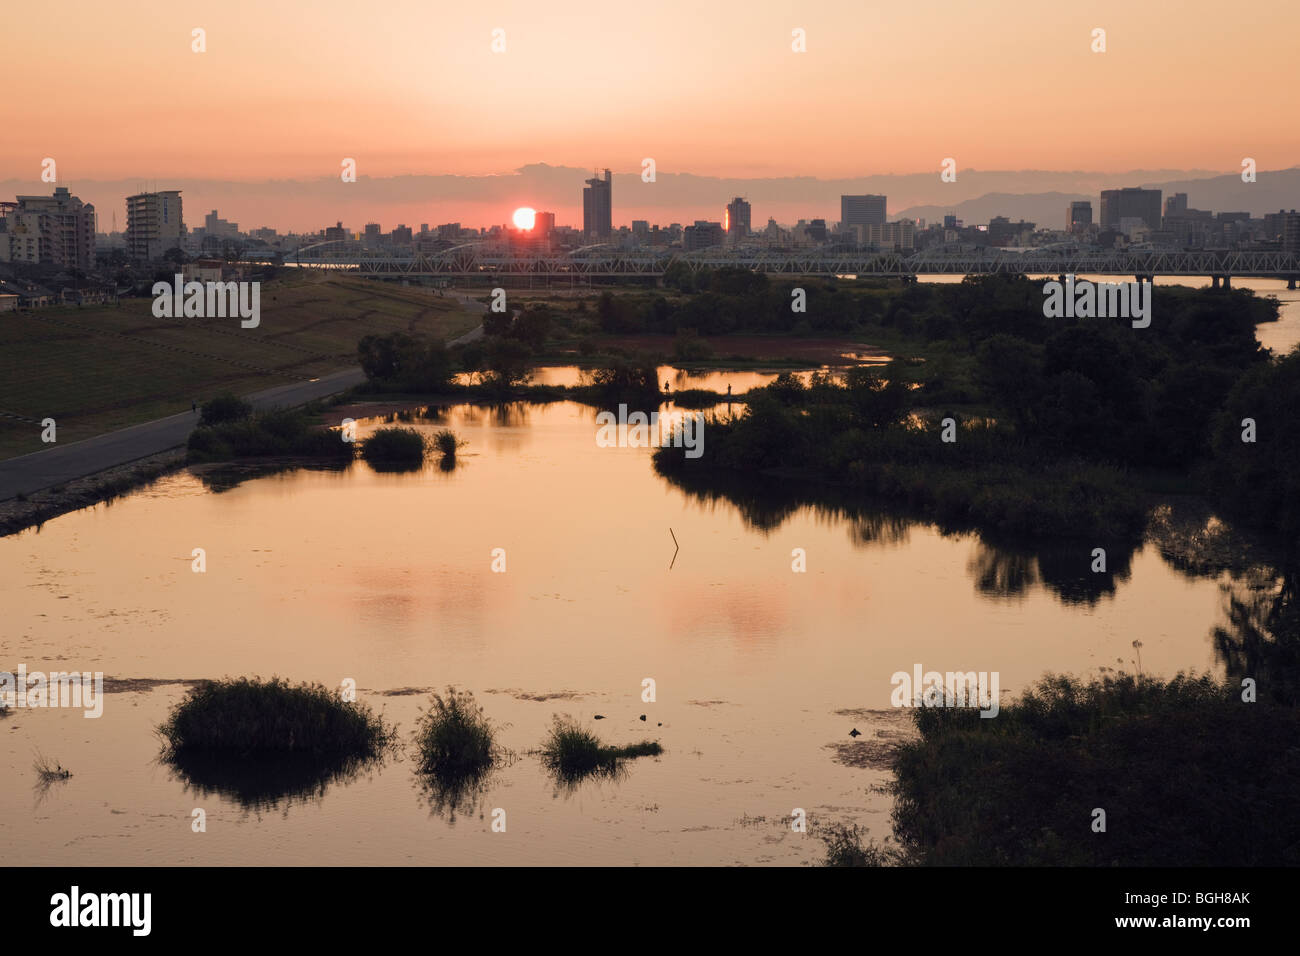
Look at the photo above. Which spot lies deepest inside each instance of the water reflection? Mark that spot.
(452, 795)
(226, 477)
(1261, 639)
(265, 783)
(999, 568)
(1073, 571)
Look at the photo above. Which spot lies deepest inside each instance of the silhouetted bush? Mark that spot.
(223, 408)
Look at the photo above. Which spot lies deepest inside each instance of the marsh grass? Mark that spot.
(264, 742)
(457, 752)
(48, 771)
(446, 443)
(573, 752)
(394, 448)
(844, 848)
(249, 716)
(454, 736)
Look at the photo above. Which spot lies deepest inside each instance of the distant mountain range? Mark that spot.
(1270, 192)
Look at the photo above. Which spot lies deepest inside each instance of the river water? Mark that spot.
(760, 672)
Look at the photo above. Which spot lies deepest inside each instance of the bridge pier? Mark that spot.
(1290, 284)
(1227, 283)
(1214, 282)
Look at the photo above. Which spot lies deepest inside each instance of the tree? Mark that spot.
(532, 325)
(1010, 372)
(380, 356)
(508, 363)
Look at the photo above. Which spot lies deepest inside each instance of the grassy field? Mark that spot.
(96, 369)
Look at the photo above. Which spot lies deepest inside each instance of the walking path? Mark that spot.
(63, 463)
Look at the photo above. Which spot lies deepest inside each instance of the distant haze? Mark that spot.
(976, 196)
(877, 96)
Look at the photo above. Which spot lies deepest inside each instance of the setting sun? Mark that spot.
(524, 218)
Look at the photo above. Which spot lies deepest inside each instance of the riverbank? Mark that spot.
(31, 511)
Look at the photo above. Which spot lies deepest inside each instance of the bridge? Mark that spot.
(487, 262)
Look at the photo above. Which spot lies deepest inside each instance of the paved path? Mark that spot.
(64, 463)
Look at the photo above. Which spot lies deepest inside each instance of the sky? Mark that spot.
(287, 90)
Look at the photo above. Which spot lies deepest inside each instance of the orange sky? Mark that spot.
(287, 89)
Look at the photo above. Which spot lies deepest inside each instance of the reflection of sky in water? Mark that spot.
(329, 574)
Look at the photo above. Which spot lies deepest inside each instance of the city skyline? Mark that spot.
(309, 206)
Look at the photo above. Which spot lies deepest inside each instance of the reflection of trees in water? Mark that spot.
(451, 795)
(568, 783)
(265, 783)
(1000, 572)
(1261, 638)
(880, 527)
(1011, 570)
(226, 477)
(501, 415)
(1003, 568)
(1198, 543)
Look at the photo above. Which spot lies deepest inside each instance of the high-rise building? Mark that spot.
(640, 229)
(544, 224)
(862, 211)
(1078, 217)
(56, 230)
(1176, 206)
(1004, 232)
(21, 235)
(737, 221)
(154, 224)
(1130, 203)
(1291, 231)
(598, 208)
(214, 225)
(899, 235)
(702, 235)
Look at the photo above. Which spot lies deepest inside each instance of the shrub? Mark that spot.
(250, 716)
(223, 408)
(446, 442)
(394, 447)
(571, 751)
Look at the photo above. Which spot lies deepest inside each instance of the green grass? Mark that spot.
(572, 752)
(101, 368)
(248, 716)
